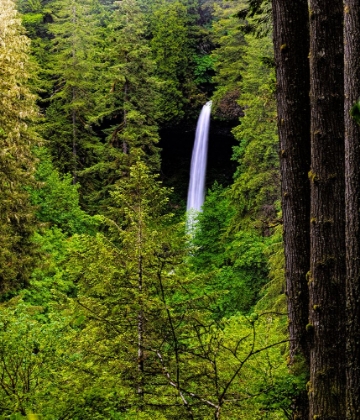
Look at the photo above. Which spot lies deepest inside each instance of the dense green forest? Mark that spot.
(109, 307)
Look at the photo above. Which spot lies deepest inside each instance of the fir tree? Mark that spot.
(144, 294)
(128, 105)
(229, 40)
(327, 275)
(76, 45)
(17, 112)
(352, 200)
(291, 47)
(256, 187)
(173, 49)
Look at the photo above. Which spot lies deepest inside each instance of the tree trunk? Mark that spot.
(141, 317)
(74, 148)
(291, 46)
(124, 144)
(327, 227)
(352, 206)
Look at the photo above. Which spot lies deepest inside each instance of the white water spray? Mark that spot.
(196, 193)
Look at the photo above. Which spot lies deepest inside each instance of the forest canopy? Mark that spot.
(109, 307)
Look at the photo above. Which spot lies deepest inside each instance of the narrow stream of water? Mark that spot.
(196, 192)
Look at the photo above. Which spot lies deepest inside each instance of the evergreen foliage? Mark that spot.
(235, 263)
(28, 367)
(173, 45)
(17, 164)
(255, 190)
(57, 199)
(132, 107)
(118, 313)
(127, 109)
(228, 59)
(145, 299)
(76, 41)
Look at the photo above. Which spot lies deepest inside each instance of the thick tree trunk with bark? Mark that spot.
(327, 239)
(352, 204)
(291, 46)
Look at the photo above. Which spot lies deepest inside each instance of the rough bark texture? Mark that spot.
(327, 232)
(291, 46)
(352, 204)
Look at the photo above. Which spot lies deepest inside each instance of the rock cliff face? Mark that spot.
(177, 143)
(228, 108)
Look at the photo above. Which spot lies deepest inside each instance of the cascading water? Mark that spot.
(196, 193)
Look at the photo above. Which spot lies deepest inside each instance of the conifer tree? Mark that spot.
(352, 204)
(142, 300)
(173, 50)
(327, 214)
(256, 186)
(128, 104)
(17, 112)
(76, 46)
(229, 40)
(325, 336)
(134, 86)
(291, 44)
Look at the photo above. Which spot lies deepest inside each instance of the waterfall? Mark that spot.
(196, 193)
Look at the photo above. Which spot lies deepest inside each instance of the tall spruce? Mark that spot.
(228, 38)
(17, 111)
(291, 45)
(352, 203)
(173, 50)
(76, 31)
(255, 190)
(127, 109)
(327, 214)
(145, 301)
